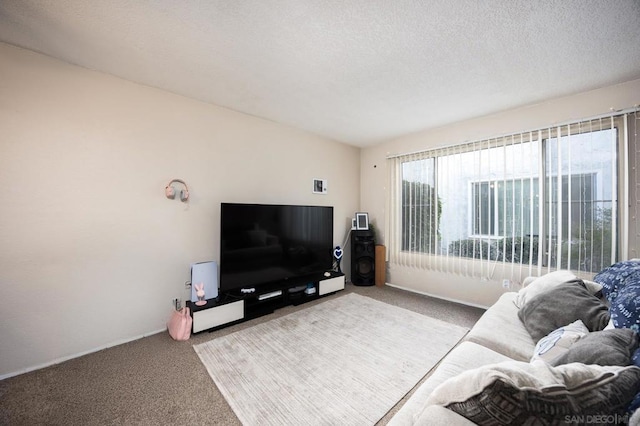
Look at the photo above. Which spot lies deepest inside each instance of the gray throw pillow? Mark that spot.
(607, 347)
(560, 306)
(519, 393)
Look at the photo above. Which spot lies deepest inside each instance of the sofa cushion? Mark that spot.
(500, 329)
(607, 347)
(559, 341)
(436, 415)
(518, 392)
(593, 287)
(615, 277)
(562, 305)
(542, 284)
(465, 356)
(635, 418)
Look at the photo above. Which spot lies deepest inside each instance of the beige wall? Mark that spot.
(374, 175)
(92, 252)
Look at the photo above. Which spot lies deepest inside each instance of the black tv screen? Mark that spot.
(263, 243)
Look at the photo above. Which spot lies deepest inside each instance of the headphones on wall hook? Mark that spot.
(170, 191)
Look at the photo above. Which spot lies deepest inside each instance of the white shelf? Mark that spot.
(218, 315)
(330, 285)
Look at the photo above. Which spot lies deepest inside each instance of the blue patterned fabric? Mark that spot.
(617, 276)
(621, 286)
(625, 308)
(635, 404)
(635, 359)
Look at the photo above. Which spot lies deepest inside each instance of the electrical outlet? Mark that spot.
(506, 283)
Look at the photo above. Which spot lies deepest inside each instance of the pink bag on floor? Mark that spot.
(179, 324)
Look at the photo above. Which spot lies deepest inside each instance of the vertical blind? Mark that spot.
(532, 202)
(634, 186)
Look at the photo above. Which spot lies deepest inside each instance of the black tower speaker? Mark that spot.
(363, 258)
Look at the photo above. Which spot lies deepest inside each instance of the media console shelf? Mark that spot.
(208, 317)
(232, 308)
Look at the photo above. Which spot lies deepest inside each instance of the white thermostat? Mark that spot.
(319, 186)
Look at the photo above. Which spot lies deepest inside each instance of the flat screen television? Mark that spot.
(265, 243)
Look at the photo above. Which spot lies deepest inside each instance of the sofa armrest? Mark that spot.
(465, 356)
(500, 329)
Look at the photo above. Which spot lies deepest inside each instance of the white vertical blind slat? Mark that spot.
(541, 198)
(558, 220)
(569, 197)
(614, 194)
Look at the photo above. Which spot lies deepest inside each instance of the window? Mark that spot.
(419, 206)
(579, 209)
(545, 198)
(492, 201)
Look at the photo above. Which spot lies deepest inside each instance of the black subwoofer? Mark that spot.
(363, 258)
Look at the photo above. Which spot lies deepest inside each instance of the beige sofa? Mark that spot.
(498, 338)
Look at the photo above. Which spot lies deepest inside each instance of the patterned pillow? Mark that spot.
(559, 341)
(516, 392)
(625, 309)
(617, 276)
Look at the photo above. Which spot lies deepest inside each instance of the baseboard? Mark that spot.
(436, 296)
(67, 358)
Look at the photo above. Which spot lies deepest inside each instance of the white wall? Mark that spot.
(92, 252)
(374, 175)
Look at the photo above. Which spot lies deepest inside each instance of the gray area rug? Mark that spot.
(345, 361)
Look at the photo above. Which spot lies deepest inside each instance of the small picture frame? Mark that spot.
(319, 186)
(362, 221)
(353, 224)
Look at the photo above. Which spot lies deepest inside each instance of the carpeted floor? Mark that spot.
(156, 380)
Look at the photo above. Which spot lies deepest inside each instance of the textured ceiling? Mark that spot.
(357, 71)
